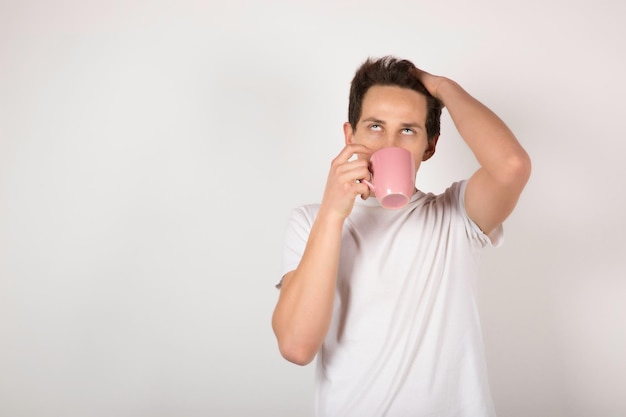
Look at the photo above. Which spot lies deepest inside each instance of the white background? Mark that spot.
(151, 152)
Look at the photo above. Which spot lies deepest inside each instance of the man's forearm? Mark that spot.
(304, 310)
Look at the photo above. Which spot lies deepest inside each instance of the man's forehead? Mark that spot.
(392, 103)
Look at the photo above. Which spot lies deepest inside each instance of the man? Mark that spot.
(386, 298)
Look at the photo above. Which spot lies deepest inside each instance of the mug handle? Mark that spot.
(369, 184)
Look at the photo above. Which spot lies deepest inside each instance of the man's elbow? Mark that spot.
(297, 353)
(517, 169)
(524, 165)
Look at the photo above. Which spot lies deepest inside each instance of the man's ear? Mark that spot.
(348, 133)
(430, 150)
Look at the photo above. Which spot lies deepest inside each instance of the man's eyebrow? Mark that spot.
(413, 125)
(373, 120)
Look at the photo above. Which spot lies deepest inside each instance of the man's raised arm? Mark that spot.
(493, 190)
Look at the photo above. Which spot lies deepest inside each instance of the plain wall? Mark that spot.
(151, 152)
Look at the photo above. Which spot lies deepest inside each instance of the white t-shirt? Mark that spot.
(405, 338)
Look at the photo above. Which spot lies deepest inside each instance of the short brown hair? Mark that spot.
(391, 71)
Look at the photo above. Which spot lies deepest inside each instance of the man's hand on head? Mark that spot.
(430, 81)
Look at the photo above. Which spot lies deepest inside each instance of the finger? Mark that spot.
(350, 165)
(352, 149)
(354, 170)
(363, 190)
(418, 73)
(362, 150)
(363, 186)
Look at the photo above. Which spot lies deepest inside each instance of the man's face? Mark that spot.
(393, 116)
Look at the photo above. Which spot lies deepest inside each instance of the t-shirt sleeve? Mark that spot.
(296, 237)
(493, 239)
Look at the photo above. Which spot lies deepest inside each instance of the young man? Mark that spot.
(386, 298)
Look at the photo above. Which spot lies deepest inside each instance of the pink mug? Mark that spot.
(393, 177)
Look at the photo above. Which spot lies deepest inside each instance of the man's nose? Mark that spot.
(391, 141)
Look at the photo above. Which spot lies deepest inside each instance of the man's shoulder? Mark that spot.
(452, 195)
(305, 212)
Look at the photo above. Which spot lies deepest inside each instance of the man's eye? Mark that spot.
(408, 131)
(375, 127)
